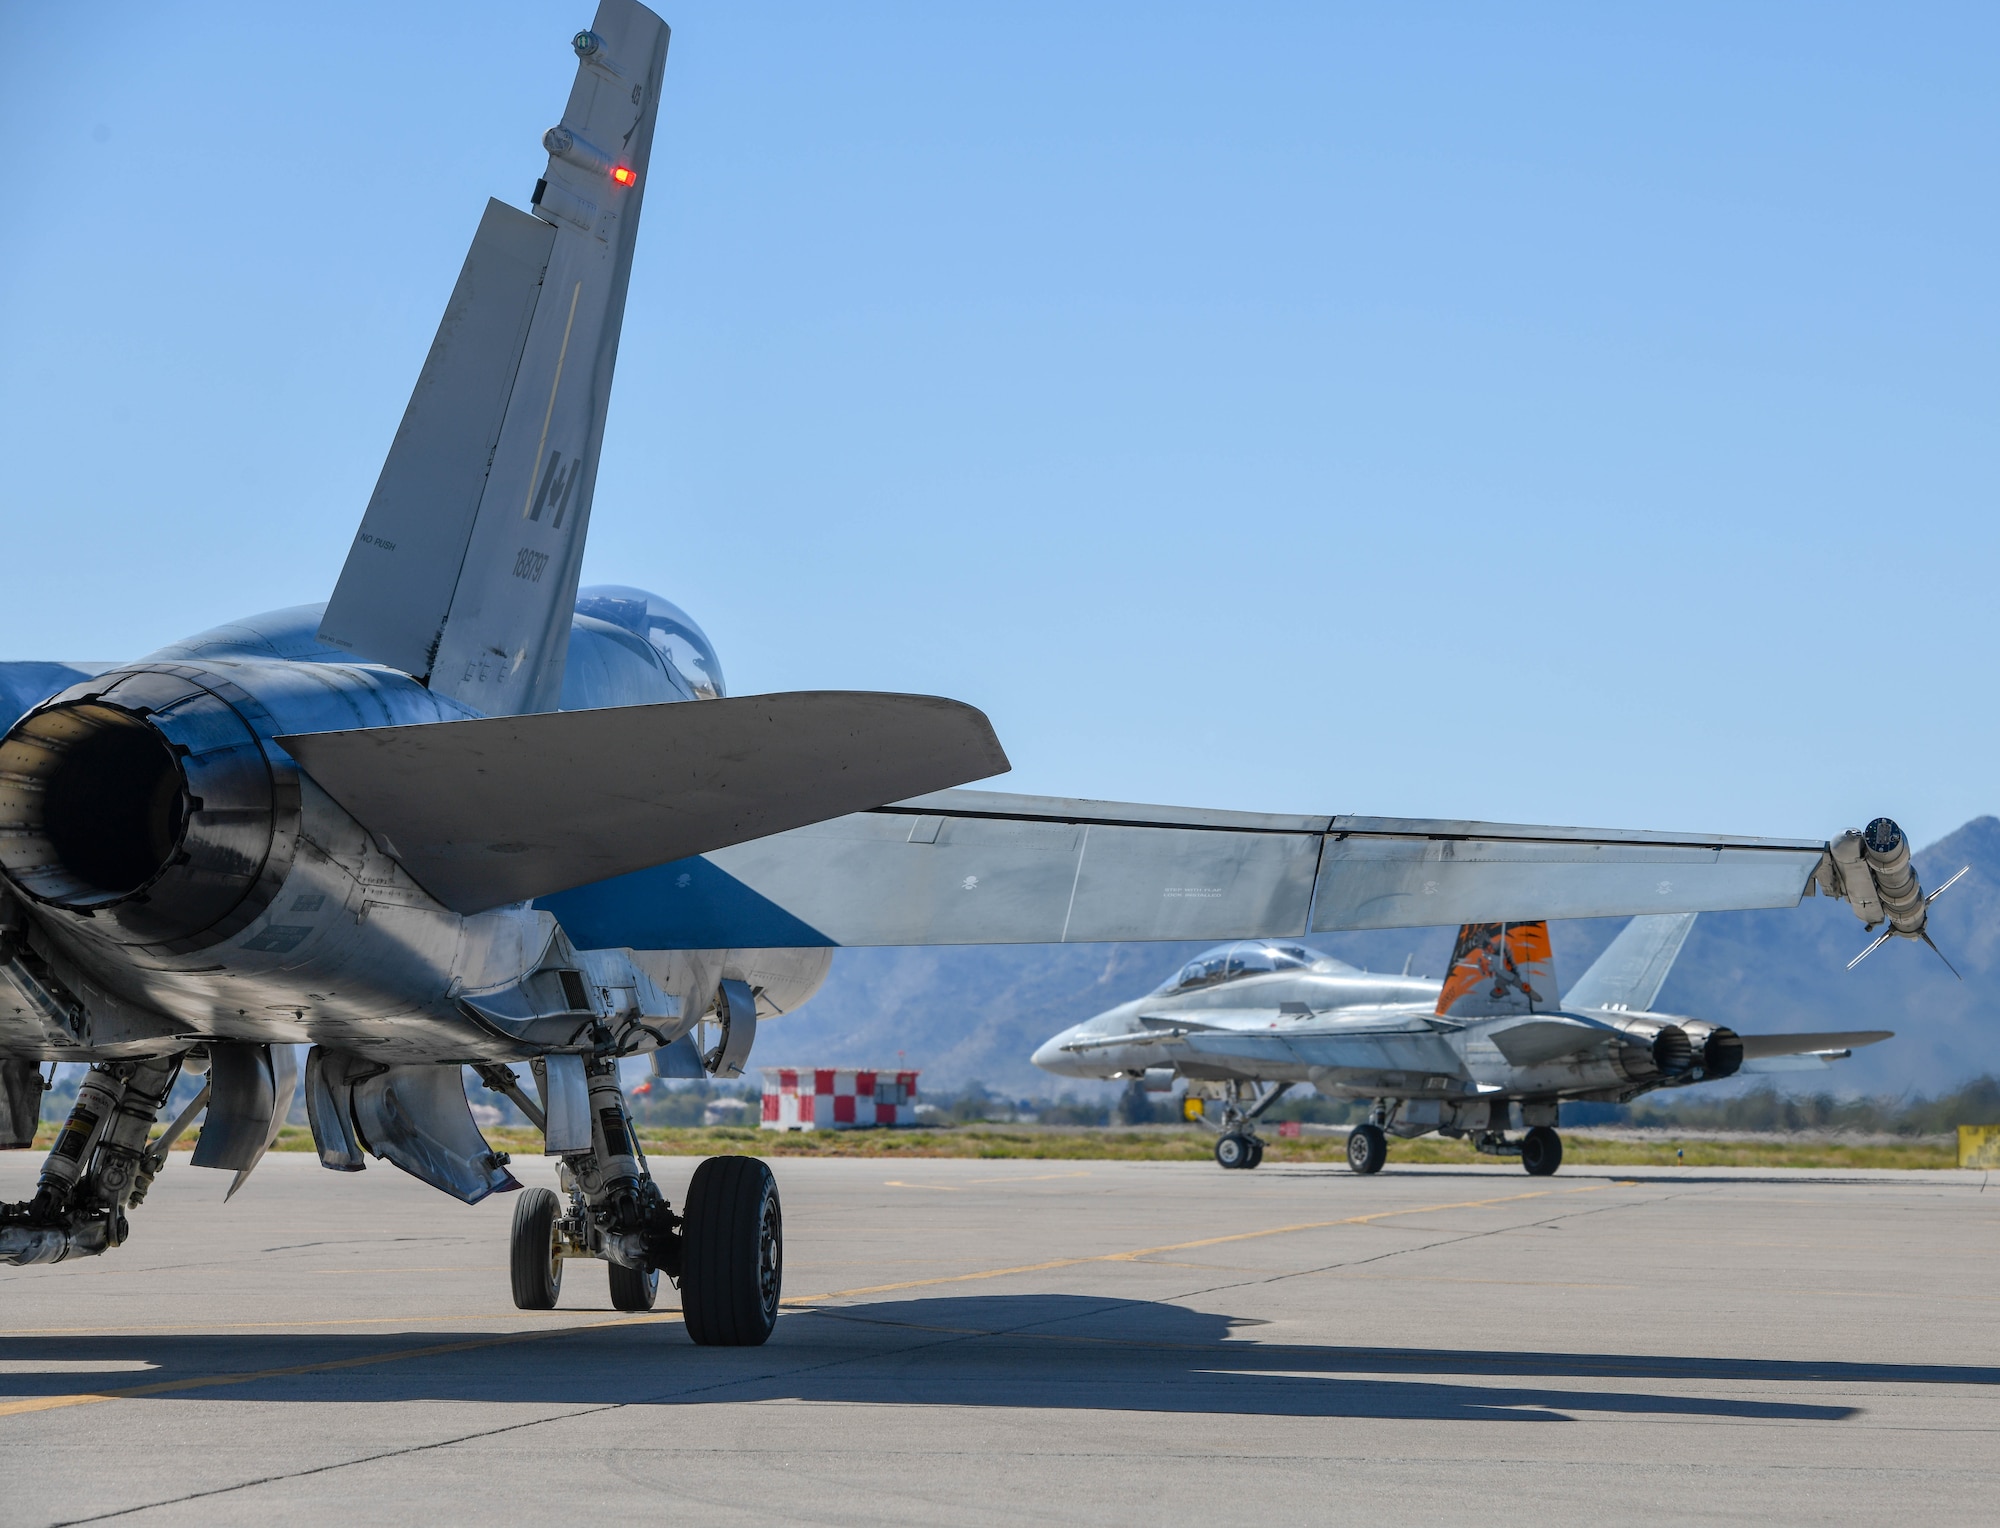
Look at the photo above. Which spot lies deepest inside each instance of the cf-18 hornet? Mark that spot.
(468, 814)
(1247, 1022)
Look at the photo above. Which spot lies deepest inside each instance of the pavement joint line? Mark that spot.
(211, 1381)
(1206, 1241)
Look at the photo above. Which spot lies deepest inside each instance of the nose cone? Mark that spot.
(1051, 1057)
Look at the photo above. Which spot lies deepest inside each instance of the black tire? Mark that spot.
(1541, 1151)
(634, 1288)
(1232, 1151)
(1367, 1149)
(732, 1253)
(1256, 1152)
(531, 1248)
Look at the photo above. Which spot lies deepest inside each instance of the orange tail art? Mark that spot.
(1498, 969)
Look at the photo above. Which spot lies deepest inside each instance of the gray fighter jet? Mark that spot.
(468, 814)
(1249, 1021)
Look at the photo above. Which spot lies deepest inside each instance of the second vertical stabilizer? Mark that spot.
(465, 569)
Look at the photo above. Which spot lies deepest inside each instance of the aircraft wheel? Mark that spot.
(533, 1262)
(634, 1288)
(1256, 1152)
(1232, 1150)
(1367, 1148)
(732, 1253)
(1541, 1151)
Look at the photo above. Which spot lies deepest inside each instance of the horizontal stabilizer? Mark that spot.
(1538, 1040)
(1634, 966)
(986, 867)
(501, 809)
(1758, 1047)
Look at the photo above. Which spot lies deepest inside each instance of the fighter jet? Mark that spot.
(1249, 1021)
(466, 813)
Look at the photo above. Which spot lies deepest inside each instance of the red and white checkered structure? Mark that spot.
(837, 1098)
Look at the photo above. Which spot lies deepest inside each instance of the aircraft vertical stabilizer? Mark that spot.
(1634, 966)
(465, 569)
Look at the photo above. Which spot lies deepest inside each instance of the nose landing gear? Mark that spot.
(1236, 1149)
(1238, 1146)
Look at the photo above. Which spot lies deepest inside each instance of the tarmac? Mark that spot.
(1027, 1342)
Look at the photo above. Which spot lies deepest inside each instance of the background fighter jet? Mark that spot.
(1456, 1056)
(467, 814)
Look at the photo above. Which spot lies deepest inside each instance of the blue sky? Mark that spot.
(1547, 413)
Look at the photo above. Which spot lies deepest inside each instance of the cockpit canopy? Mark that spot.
(682, 645)
(1248, 957)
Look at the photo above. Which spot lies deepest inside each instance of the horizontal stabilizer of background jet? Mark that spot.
(501, 809)
(1760, 1047)
(985, 867)
(1634, 966)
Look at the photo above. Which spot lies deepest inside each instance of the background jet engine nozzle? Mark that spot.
(1718, 1051)
(1673, 1052)
(146, 805)
(1655, 1049)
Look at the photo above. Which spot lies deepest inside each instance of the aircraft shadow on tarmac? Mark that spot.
(1055, 1351)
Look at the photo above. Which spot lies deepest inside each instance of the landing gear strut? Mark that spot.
(726, 1250)
(100, 1166)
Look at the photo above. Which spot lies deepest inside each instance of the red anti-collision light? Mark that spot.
(625, 175)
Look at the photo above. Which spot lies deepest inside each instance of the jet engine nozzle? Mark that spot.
(145, 804)
(1721, 1054)
(1673, 1052)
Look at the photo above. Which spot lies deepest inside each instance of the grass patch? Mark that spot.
(998, 1142)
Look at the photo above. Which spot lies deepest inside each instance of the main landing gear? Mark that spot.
(725, 1249)
(1367, 1148)
(101, 1165)
(1541, 1151)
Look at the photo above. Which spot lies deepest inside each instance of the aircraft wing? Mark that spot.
(985, 867)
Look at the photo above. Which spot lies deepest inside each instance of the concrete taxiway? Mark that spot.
(1000, 1342)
